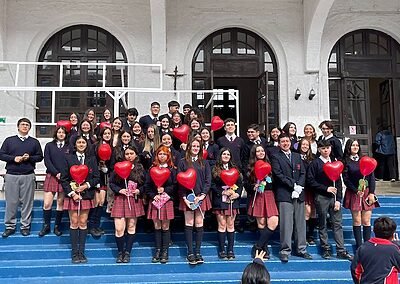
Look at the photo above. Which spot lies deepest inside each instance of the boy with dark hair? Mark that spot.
(151, 118)
(327, 200)
(253, 138)
(327, 129)
(131, 115)
(378, 259)
(21, 152)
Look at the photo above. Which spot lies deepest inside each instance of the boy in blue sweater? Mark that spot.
(21, 152)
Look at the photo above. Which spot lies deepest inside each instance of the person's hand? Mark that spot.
(183, 146)
(18, 159)
(156, 198)
(360, 193)
(260, 254)
(337, 206)
(187, 202)
(199, 198)
(160, 190)
(332, 190)
(58, 176)
(123, 191)
(25, 157)
(81, 188)
(76, 197)
(371, 198)
(234, 195)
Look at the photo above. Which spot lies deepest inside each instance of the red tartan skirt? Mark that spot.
(52, 184)
(205, 205)
(309, 198)
(354, 202)
(121, 209)
(264, 205)
(70, 204)
(226, 212)
(165, 213)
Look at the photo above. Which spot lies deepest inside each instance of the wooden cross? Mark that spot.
(175, 75)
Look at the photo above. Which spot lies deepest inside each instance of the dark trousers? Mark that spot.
(386, 164)
(325, 205)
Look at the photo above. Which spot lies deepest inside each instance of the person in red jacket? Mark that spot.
(378, 259)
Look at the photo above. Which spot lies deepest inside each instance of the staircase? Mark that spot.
(47, 259)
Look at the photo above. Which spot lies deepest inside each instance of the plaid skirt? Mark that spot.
(205, 205)
(110, 200)
(121, 208)
(52, 184)
(309, 198)
(70, 204)
(226, 212)
(264, 205)
(165, 213)
(354, 202)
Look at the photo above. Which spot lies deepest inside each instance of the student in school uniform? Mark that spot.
(74, 118)
(360, 200)
(311, 135)
(105, 117)
(95, 213)
(118, 154)
(21, 152)
(85, 130)
(290, 129)
(152, 118)
(130, 117)
(116, 129)
(194, 159)
(289, 180)
(328, 197)
(327, 129)
(209, 145)
(261, 201)
(128, 205)
(161, 216)
(225, 202)
(151, 143)
(79, 198)
(54, 156)
(90, 115)
(272, 146)
(166, 140)
(253, 138)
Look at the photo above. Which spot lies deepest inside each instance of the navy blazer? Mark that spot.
(216, 187)
(286, 173)
(336, 145)
(212, 153)
(117, 183)
(93, 177)
(54, 157)
(169, 186)
(352, 175)
(146, 121)
(203, 181)
(247, 149)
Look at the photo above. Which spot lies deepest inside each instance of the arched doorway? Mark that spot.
(80, 43)
(364, 86)
(235, 58)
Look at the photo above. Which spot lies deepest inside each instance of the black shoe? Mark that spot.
(222, 255)
(82, 257)
(8, 232)
(45, 230)
(120, 257)
(284, 258)
(267, 253)
(156, 256)
(75, 258)
(100, 231)
(254, 249)
(25, 232)
(304, 255)
(344, 255)
(191, 259)
(231, 255)
(239, 229)
(199, 258)
(164, 256)
(94, 233)
(310, 241)
(127, 257)
(326, 254)
(57, 231)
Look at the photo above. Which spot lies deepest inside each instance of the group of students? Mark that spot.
(296, 190)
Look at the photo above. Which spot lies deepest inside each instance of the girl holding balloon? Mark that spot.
(226, 189)
(194, 178)
(358, 176)
(261, 199)
(79, 177)
(209, 145)
(127, 184)
(159, 187)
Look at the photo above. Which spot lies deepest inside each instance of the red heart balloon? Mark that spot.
(216, 123)
(262, 169)
(79, 173)
(205, 154)
(104, 152)
(187, 179)
(367, 165)
(105, 124)
(229, 177)
(66, 123)
(159, 175)
(333, 170)
(123, 169)
(182, 133)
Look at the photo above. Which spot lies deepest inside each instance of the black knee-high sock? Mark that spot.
(189, 238)
(366, 233)
(82, 239)
(231, 240)
(157, 238)
(74, 235)
(91, 218)
(357, 235)
(313, 223)
(260, 241)
(166, 238)
(97, 216)
(120, 243)
(46, 216)
(59, 215)
(221, 241)
(199, 238)
(265, 235)
(129, 239)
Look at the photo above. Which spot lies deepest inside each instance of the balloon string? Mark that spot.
(254, 198)
(129, 203)
(201, 211)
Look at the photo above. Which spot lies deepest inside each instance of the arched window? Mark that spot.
(82, 43)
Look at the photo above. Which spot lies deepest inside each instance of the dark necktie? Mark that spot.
(230, 138)
(59, 145)
(155, 120)
(289, 156)
(81, 159)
